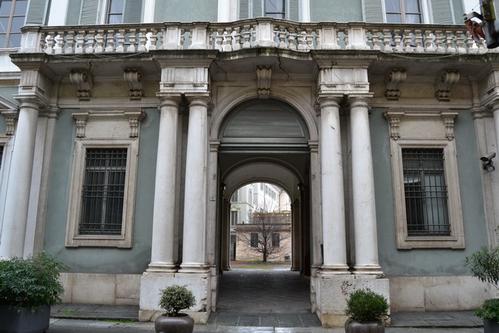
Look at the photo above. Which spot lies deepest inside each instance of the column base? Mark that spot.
(193, 268)
(368, 270)
(334, 269)
(160, 267)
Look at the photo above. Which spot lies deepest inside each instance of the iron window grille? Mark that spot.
(254, 239)
(103, 191)
(425, 192)
(12, 17)
(275, 9)
(403, 11)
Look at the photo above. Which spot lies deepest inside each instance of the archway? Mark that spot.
(267, 141)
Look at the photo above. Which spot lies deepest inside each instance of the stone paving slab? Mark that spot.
(436, 319)
(95, 311)
(264, 320)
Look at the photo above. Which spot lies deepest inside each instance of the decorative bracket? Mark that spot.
(82, 79)
(394, 121)
(134, 78)
(444, 83)
(10, 117)
(134, 119)
(393, 81)
(81, 123)
(264, 80)
(449, 121)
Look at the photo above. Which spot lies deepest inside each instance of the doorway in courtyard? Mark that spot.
(264, 219)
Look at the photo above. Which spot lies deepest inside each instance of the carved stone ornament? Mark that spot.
(449, 120)
(394, 121)
(264, 80)
(134, 119)
(134, 79)
(393, 81)
(10, 117)
(444, 84)
(82, 79)
(81, 123)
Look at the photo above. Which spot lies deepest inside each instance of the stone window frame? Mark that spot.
(92, 136)
(444, 140)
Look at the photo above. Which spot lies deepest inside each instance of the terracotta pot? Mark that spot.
(181, 324)
(24, 320)
(355, 327)
(490, 326)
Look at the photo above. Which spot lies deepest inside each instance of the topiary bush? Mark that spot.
(365, 306)
(30, 282)
(176, 298)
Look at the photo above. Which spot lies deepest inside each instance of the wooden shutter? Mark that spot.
(257, 8)
(133, 11)
(373, 11)
(73, 14)
(293, 10)
(89, 11)
(243, 9)
(36, 12)
(442, 13)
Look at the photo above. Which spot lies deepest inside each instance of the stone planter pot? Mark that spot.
(181, 324)
(355, 327)
(24, 320)
(490, 326)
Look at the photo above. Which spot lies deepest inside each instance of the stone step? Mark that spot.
(95, 312)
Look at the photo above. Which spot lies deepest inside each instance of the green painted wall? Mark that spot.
(186, 11)
(428, 262)
(101, 260)
(336, 11)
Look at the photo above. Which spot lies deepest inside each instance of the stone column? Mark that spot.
(194, 242)
(163, 228)
(19, 182)
(333, 203)
(364, 209)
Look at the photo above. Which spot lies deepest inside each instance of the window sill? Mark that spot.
(431, 242)
(118, 241)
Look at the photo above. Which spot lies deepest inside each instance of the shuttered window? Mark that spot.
(103, 191)
(275, 9)
(12, 17)
(403, 11)
(280, 9)
(114, 13)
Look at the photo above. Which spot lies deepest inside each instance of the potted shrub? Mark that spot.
(366, 311)
(173, 300)
(484, 265)
(28, 287)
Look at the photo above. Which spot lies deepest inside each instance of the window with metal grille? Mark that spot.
(403, 11)
(114, 12)
(275, 9)
(254, 239)
(103, 191)
(276, 239)
(12, 17)
(425, 192)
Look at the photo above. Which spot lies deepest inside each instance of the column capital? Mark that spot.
(172, 100)
(325, 100)
(198, 99)
(359, 100)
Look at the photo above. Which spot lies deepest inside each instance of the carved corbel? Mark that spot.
(134, 80)
(393, 81)
(264, 80)
(449, 121)
(81, 123)
(82, 79)
(444, 83)
(134, 119)
(394, 121)
(10, 117)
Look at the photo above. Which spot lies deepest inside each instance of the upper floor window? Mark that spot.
(403, 11)
(114, 12)
(12, 17)
(275, 9)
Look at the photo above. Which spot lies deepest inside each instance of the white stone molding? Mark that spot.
(343, 81)
(82, 79)
(95, 125)
(393, 80)
(363, 193)
(264, 81)
(394, 121)
(134, 79)
(184, 80)
(333, 207)
(80, 123)
(444, 83)
(10, 117)
(438, 133)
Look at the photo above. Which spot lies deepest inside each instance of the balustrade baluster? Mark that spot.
(450, 42)
(408, 40)
(120, 41)
(302, 42)
(246, 36)
(418, 41)
(460, 38)
(153, 40)
(49, 48)
(99, 41)
(310, 39)
(282, 37)
(59, 42)
(387, 40)
(70, 40)
(42, 45)
(227, 43)
(90, 41)
(292, 43)
(80, 42)
(132, 39)
(429, 41)
(110, 42)
(142, 40)
(219, 39)
(375, 41)
(439, 41)
(397, 39)
(237, 39)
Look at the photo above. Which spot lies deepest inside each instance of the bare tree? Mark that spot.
(264, 226)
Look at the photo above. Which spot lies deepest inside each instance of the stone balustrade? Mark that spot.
(245, 34)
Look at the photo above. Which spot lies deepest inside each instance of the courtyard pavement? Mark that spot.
(250, 301)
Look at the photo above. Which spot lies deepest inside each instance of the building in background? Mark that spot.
(126, 125)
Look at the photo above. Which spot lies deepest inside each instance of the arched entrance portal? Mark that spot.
(267, 141)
